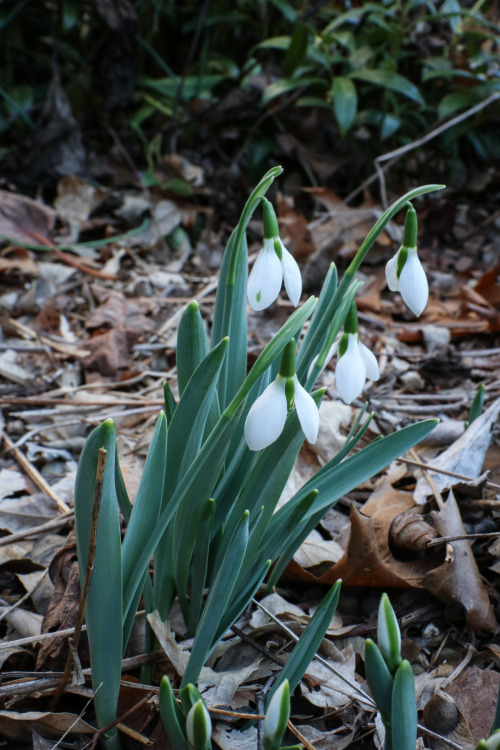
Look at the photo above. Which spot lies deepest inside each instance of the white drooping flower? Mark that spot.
(412, 281)
(404, 272)
(266, 419)
(274, 265)
(354, 366)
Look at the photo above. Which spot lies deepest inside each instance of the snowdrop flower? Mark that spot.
(276, 718)
(404, 272)
(388, 634)
(198, 727)
(274, 265)
(266, 419)
(356, 362)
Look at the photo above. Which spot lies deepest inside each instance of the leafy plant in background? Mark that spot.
(206, 505)
(386, 72)
(372, 66)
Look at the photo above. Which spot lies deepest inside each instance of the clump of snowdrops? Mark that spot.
(222, 452)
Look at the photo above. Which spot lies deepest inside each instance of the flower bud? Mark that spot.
(276, 718)
(388, 634)
(198, 727)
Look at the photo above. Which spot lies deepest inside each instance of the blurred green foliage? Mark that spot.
(385, 72)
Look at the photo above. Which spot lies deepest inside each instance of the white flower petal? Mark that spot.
(291, 276)
(413, 283)
(391, 273)
(264, 282)
(370, 361)
(331, 351)
(307, 411)
(266, 419)
(350, 373)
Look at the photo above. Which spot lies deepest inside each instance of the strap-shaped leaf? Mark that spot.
(198, 481)
(192, 344)
(188, 423)
(146, 507)
(171, 715)
(200, 564)
(104, 610)
(404, 709)
(308, 643)
(217, 601)
(380, 681)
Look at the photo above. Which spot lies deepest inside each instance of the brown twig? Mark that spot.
(73, 640)
(447, 473)
(56, 523)
(429, 479)
(34, 475)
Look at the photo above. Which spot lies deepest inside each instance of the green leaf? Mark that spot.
(452, 103)
(379, 680)
(309, 642)
(200, 564)
(145, 512)
(188, 423)
(192, 344)
(170, 403)
(404, 709)
(297, 48)
(390, 124)
(217, 601)
(171, 715)
(104, 610)
(390, 80)
(284, 85)
(345, 102)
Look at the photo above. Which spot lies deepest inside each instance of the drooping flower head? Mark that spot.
(274, 265)
(266, 419)
(355, 361)
(404, 272)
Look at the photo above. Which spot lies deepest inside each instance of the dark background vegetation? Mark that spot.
(322, 87)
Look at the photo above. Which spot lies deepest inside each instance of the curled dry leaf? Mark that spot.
(62, 610)
(410, 531)
(459, 579)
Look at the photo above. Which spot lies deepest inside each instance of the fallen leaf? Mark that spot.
(458, 579)
(62, 611)
(18, 725)
(368, 559)
(465, 456)
(25, 220)
(475, 692)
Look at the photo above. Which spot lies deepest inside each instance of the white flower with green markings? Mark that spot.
(404, 272)
(355, 361)
(274, 265)
(266, 419)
